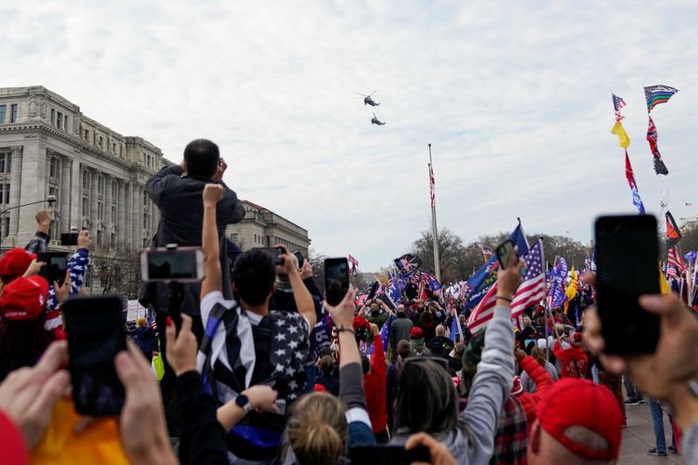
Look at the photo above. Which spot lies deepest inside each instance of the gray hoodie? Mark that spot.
(472, 441)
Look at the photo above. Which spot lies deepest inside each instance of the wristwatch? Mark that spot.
(243, 402)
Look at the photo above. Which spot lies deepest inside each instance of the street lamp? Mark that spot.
(50, 199)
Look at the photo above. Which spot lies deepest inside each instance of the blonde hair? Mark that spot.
(141, 323)
(317, 429)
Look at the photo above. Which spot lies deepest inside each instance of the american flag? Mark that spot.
(352, 260)
(674, 259)
(432, 184)
(618, 103)
(532, 289)
(530, 292)
(486, 253)
(670, 271)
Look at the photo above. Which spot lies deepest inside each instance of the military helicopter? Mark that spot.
(375, 120)
(368, 100)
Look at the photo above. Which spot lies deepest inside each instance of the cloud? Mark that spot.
(515, 99)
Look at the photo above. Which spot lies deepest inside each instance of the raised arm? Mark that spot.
(41, 237)
(209, 241)
(159, 182)
(301, 294)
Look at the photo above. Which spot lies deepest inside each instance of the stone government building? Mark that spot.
(48, 147)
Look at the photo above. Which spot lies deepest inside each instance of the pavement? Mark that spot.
(638, 438)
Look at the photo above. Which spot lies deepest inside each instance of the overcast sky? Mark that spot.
(513, 96)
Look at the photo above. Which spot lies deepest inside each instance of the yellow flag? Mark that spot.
(619, 131)
(571, 291)
(664, 287)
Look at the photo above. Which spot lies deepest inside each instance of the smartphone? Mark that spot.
(503, 251)
(69, 238)
(275, 253)
(95, 335)
(55, 268)
(180, 264)
(299, 256)
(627, 254)
(336, 279)
(383, 454)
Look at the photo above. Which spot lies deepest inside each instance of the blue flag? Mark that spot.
(455, 326)
(486, 276)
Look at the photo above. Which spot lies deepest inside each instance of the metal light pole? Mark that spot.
(49, 199)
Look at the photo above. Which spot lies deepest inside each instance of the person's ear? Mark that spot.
(534, 438)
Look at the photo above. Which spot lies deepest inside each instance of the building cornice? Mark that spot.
(76, 142)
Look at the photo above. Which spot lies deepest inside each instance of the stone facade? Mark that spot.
(48, 147)
(263, 228)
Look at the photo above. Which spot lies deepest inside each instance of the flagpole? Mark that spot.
(434, 229)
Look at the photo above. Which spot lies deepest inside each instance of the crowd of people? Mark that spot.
(259, 368)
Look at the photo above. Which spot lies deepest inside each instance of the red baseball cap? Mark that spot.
(14, 263)
(360, 322)
(416, 333)
(580, 402)
(576, 339)
(24, 298)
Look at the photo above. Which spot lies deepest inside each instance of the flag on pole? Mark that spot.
(658, 94)
(630, 176)
(618, 130)
(432, 185)
(532, 289)
(530, 292)
(456, 329)
(673, 233)
(354, 263)
(652, 139)
(674, 258)
(618, 103)
(481, 281)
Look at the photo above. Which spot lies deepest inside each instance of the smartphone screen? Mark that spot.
(627, 255)
(274, 252)
(69, 238)
(299, 257)
(503, 252)
(95, 335)
(382, 454)
(336, 279)
(55, 268)
(183, 264)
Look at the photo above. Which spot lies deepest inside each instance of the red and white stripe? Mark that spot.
(432, 185)
(674, 258)
(530, 292)
(484, 311)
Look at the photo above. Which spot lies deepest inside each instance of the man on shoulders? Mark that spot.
(177, 191)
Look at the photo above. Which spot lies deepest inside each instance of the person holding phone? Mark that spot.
(264, 346)
(427, 399)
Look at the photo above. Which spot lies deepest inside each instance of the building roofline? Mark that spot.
(259, 207)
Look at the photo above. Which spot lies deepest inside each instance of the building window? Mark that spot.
(53, 115)
(54, 167)
(4, 194)
(99, 237)
(59, 119)
(13, 114)
(86, 134)
(146, 221)
(100, 184)
(3, 109)
(85, 206)
(5, 162)
(65, 122)
(101, 141)
(112, 240)
(113, 214)
(113, 147)
(145, 199)
(5, 227)
(85, 179)
(53, 190)
(100, 211)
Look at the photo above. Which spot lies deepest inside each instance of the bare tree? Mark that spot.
(116, 270)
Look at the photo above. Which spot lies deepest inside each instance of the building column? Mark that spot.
(107, 209)
(128, 213)
(65, 196)
(122, 234)
(136, 216)
(93, 204)
(15, 189)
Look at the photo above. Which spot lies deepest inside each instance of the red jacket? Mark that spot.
(543, 384)
(573, 361)
(375, 387)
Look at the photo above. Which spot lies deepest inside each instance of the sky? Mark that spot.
(515, 98)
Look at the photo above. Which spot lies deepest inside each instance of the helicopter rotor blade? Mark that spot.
(361, 94)
(373, 92)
